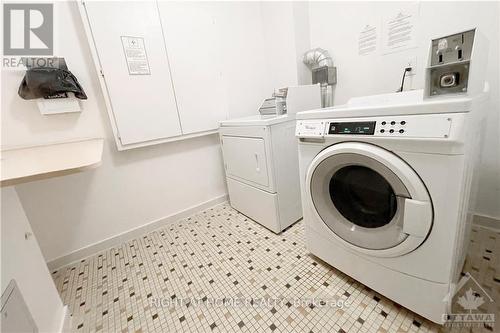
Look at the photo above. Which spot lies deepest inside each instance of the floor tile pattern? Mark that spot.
(218, 271)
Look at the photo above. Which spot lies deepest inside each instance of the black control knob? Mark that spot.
(401, 131)
(383, 123)
(393, 122)
(403, 122)
(382, 130)
(391, 131)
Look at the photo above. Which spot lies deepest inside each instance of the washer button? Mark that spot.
(403, 122)
(383, 123)
(382, 130)
(393, 122)
(401, 131)
(391, 131)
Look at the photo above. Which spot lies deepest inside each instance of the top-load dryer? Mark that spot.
(387, 182)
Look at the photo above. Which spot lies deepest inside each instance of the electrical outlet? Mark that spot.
(412, 62)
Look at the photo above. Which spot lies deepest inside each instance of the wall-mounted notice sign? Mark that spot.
(367, 43)
(135, 55)
(400, 29)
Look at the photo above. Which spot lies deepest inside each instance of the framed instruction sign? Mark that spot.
(135, 55)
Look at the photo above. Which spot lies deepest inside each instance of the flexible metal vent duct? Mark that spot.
(317, 58)
(323, 72)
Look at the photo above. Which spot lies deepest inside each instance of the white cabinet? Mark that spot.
(22, 261)
(160, 67)
(15, 314)
(142, 107)
(193, 41)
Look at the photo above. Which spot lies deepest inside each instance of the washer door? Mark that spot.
(370, 198)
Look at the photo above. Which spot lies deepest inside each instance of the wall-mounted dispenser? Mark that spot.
(54, 87)
(323, 72)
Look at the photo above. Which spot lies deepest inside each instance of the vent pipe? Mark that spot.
(323, 72)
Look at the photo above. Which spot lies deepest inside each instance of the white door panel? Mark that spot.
(193, 45)
(141, 113)
(259, 205)
(245, 158)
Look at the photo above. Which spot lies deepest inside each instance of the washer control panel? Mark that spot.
(416, 126)
(393, 126)
(356, 128)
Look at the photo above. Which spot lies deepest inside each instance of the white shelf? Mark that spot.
(24, 164)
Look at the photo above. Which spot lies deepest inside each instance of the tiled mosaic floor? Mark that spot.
(176, 279)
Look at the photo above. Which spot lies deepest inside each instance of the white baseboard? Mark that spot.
(65, 321)
(480, 220)
(105, 244)
(487, 222)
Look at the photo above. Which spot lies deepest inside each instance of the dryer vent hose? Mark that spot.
(320, 58)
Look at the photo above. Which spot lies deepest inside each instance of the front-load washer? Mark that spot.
(385, 194)
(387, 181)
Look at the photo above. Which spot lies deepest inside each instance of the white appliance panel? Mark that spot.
(245, 158)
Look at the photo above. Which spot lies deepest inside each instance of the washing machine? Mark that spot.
(386, 185)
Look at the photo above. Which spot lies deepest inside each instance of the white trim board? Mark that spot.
(105, 244)
(66, 320)
(65, 260)
(487, 222)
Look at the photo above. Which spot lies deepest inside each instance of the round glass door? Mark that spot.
(363, 196)
(360, 199)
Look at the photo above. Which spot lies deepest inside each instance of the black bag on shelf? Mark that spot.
(43, 82)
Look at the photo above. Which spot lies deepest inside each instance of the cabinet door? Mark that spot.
(193, 44)
(140, 92)
(245, 159)
(15, 315)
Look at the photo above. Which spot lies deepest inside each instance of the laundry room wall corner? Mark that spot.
(332, 27)
(76, 214)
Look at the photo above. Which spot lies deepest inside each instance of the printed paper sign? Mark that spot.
(135, 55)
(400, 29)
(367, 43)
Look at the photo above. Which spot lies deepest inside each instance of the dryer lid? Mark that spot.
(257, 120)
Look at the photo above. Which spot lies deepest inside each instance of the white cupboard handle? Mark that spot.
(257, 168)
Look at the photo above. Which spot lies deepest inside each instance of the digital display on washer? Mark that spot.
(361, 127)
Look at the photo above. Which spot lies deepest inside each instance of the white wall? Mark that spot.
(134, 187)
(336, 25)
(22, 261)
